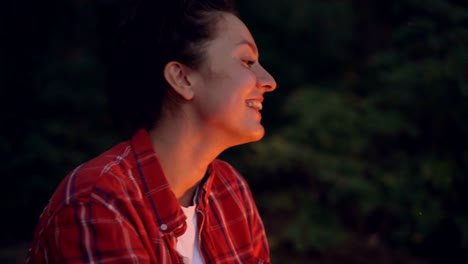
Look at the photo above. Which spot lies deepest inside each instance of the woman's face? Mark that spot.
(231, 84)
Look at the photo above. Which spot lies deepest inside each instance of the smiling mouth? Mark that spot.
(255, 104)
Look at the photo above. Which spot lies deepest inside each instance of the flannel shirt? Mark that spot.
(119, 208)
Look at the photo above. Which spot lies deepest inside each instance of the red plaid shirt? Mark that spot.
(119, 208)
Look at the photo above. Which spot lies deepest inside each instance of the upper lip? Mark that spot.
(260, 99)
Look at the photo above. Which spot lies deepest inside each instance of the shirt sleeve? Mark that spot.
(92, 233)
(259, 238)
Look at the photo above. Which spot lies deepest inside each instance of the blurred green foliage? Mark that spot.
(366, 145)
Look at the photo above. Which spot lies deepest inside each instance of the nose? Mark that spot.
(265, 81)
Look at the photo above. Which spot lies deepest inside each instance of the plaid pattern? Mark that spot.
(119, 208)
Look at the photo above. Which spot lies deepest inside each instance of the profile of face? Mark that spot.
(230, 84)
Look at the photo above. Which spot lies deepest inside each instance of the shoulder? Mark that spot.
(228, 180)
(107, 173)
(226, 172)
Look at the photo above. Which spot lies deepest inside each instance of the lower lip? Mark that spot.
(256, 110)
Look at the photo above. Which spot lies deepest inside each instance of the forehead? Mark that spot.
(231, 32)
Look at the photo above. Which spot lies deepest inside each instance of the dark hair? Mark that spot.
(155, 33)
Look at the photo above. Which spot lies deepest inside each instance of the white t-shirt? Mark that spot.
(188, 243)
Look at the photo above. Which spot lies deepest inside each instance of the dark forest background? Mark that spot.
(366, 154)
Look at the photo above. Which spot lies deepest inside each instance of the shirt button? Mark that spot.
(186, 260)
(163, 227)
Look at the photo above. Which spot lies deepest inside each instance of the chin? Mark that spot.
(247, 134)
(255, 135)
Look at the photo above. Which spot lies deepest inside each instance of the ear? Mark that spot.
(177, 76)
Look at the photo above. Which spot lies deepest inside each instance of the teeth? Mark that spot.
(255, 104)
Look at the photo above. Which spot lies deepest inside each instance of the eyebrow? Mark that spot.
(250, 44)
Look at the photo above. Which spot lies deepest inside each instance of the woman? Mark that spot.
(186, 80)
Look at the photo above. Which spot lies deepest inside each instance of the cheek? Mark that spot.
(250, 78)
(239, 84)
(228, 92)
(240, 87)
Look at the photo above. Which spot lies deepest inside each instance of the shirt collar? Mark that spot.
(163, 202)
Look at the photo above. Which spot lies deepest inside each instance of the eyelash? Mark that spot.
(249, 63)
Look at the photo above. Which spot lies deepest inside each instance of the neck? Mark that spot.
(185, 153)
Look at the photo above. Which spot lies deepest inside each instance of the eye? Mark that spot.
(248, 63)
